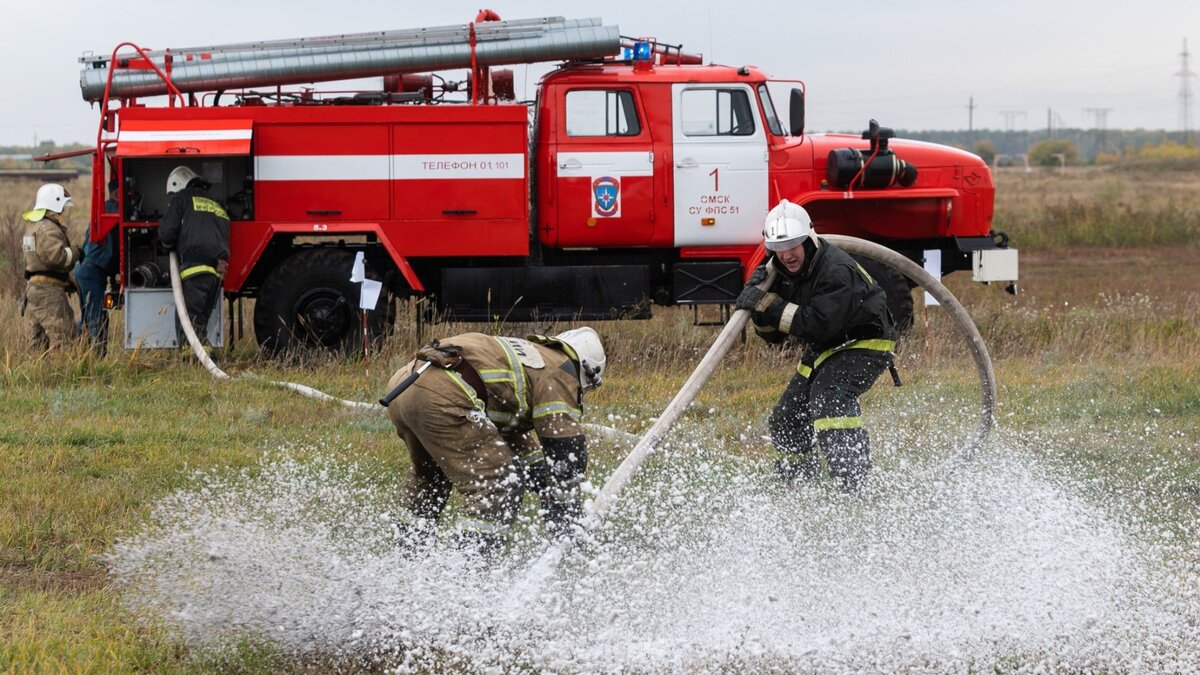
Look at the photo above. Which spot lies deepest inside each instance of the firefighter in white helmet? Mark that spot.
(493, 417)
(197, 227)
(827, 300)
(49, 257)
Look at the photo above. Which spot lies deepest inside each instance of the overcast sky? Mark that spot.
(912, 64)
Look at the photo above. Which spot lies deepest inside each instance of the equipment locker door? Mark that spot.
(604, 168)
(720, 165)
(322, 172)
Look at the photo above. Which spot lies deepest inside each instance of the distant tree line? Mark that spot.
(1089, 145)
(47, 147)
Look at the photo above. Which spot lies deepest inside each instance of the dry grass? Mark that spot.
(87, 444)
(1098, 206)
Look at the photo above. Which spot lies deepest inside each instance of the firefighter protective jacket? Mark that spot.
(47, 249)
(196, 226)
(529, 387)
(830, 302)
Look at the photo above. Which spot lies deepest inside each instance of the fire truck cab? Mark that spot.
(634, 178)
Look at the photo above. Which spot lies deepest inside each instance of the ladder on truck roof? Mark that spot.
(343, 57)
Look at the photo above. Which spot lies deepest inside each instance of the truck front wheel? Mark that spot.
(308, 301)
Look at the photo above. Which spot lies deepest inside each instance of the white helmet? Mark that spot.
(583, 346)
(52, 197)
(787, 226)
(179, 179)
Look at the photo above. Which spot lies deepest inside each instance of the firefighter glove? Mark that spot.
(755, 300)
(568, 459)
(222, 267)
(757, 276)
(535, 472)
(440, 355)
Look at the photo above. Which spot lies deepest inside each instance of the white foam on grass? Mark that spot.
(709, 565)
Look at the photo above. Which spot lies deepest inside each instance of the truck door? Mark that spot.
(604, 164)
(720, 166)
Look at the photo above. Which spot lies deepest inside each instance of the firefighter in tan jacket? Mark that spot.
(49, 257)
(474, 419)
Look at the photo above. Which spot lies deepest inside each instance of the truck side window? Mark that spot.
(769, 108)
(716, 112)
(600, 112)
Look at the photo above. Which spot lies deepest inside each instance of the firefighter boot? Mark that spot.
(849, 456)
(487, 543)
(797, 467)
(412, 534)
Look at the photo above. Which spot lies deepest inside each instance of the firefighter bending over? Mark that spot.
(827, 300)
(474, 419)
(49, 257)
(197, 226)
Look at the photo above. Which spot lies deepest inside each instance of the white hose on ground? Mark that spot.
(611, 434)
(962, 320)
(202, 354)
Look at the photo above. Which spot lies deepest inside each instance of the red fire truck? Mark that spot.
(638, 176)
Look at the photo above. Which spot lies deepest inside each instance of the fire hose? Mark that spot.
(215, 370)
(198, 349)
(607, 497)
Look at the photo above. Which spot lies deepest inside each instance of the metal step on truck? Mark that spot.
(638, 176)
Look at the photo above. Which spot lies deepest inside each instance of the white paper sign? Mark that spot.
(933, 265)
(369, 296)
(358, 272)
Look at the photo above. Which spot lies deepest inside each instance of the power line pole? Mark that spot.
(971, 119)
(1185, 76)
(1010, 121)
(1101, 125)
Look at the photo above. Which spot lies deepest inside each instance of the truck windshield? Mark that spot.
(769, 109)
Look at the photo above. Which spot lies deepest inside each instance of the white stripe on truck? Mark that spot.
(389, 167)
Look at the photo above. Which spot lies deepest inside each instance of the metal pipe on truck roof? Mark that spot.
(358, 41)
(340, 62)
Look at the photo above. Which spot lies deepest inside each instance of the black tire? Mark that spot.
(309, 302)
(898, 289)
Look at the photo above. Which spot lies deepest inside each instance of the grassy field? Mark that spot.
(1101, 345)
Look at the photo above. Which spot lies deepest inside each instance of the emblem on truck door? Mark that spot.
(606, 197)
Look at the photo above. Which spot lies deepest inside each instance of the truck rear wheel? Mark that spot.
(898, 289)
(308, 301)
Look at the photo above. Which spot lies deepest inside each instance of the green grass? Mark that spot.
(1100, 348)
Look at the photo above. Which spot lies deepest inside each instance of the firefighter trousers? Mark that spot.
(452, 444)
(49, 319)
(823, 406)
(92, 282)
(200, 295)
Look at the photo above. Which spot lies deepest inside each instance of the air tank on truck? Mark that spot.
(637, 176)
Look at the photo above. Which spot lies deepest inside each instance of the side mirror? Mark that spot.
(796, 112)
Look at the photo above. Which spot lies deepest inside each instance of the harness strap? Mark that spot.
(471, 377)
(48, 275)
(48, 279)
